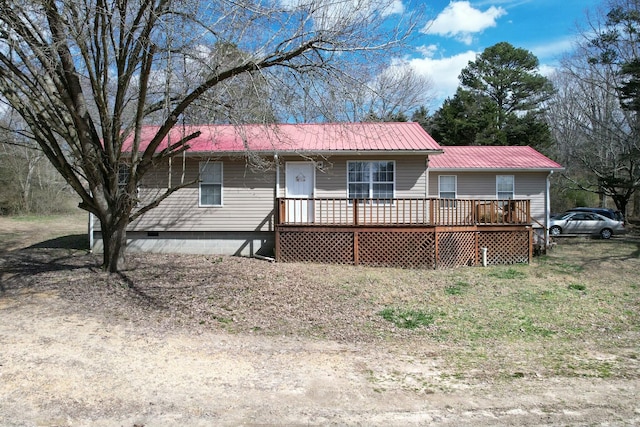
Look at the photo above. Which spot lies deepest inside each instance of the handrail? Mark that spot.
(401, 211)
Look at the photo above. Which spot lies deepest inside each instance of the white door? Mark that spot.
(300, 184)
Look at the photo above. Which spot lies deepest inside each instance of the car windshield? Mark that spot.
(561, 215)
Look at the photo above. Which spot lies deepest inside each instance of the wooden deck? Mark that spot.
(427, 233)
(394, 212)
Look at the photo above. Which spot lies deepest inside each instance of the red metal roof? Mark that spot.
(311, 138)
(491, 157)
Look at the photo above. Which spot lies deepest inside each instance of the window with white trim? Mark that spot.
(210, 183)
(447, 185)
(371, 180)
(124, 173)
(505, 187)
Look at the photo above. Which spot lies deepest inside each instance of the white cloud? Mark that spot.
(547, 70)
(334, 15)
(554, 48)
(460, 20)
(443, 72)
(427, 51)
(396, 7)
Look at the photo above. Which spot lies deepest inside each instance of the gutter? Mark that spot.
(320, 152)
(549, 170)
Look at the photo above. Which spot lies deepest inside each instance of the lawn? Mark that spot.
(209, 339)
(572, 312)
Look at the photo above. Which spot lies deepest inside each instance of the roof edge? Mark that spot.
(320, 153)
(471, 169)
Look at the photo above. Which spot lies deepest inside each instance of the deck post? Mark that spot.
(436, 241)
(281, 211)
(356, 248)
(477, 242)
(530, 244)
(356, 213)
(432, 214)
(474, 212)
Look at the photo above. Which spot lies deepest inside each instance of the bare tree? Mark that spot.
(597, 135)
(396, 92)
(386, 92)
(29, 183)
(86, 74)
(18, 166)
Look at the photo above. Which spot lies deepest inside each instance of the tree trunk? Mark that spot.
(114, 238)
(621, 203)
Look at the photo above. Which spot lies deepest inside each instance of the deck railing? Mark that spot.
(401, 211)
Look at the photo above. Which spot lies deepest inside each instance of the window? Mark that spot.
(505, 187)
(371, 180)
(447, 186)
(124, 173)
(210, 184)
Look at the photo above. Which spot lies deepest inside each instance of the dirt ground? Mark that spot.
(75, 352)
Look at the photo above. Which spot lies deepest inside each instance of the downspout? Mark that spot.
(426, 192)
(547, 211)
(426, 178)
(277, 162)
(276, 205)
(90, 232)
(276, 209)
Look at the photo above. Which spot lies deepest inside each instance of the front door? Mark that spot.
(300, 184)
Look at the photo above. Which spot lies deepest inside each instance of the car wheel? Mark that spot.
(606, 233)
(555, 231)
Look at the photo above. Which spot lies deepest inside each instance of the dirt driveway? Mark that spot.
(72, 356)
(59, 367)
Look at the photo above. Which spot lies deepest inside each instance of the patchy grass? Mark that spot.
(573, 312)
(457, 288)
(507, 273)
(407, 318)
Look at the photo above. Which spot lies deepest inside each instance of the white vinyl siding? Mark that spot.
(247, 197)
(505, 187)
(482, 185)
(210, 184)
(371, 180)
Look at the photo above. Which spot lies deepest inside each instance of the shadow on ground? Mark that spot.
(73, 241)
(58, 254)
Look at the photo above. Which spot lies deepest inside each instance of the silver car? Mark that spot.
(585, 223)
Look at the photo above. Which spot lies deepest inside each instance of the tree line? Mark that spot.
(585, 115)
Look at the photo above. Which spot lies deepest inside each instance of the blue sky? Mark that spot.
(458, 30)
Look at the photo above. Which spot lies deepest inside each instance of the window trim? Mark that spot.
(371, 182)
(200, 182)
(513, 188)
(455, 186)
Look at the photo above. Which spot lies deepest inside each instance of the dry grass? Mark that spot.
(573, 312)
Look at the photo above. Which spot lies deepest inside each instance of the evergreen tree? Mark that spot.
(498, 102)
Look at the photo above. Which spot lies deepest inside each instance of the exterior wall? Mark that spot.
(243, 225)
(482, 185)
(331, 179)
(218, 243)
(247, 200)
